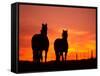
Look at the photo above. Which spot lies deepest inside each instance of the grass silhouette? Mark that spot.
(25, 66)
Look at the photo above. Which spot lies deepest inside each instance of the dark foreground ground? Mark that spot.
(54, 66)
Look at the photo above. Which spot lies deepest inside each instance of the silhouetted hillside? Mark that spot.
(54, 66)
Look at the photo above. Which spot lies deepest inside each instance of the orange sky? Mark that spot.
(80, 23)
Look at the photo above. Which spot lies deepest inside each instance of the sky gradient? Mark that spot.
(79, 22)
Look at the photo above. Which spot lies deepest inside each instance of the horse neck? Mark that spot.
(65, 39)
(45, 35)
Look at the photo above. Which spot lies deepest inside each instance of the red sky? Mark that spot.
(80, 23)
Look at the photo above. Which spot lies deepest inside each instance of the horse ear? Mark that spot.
(67, 31)
(42, 24)
(45, 24)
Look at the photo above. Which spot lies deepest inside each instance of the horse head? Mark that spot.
(44, 29)
(65, 34)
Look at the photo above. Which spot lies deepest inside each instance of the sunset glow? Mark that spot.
(80, 23)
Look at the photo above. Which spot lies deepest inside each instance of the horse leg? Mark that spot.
(65, 55)
(34, 56)
(46, 55)
(62, 57)
(38, 56)
(57, 56)
(41, 56)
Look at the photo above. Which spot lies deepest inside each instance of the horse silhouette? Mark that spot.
(40, 43)
(61, 46)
